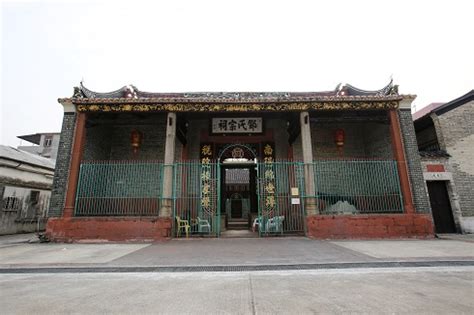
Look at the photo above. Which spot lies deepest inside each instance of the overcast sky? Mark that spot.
(48, 47)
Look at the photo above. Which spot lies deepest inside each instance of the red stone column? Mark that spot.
(76, 157)
(399, 155)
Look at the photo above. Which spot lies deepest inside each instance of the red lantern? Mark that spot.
(136, 140)
(339, 137)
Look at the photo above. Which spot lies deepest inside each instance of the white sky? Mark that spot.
(177, 46)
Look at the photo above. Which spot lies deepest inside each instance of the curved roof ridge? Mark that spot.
(130, 91)
(114, 94)
(349, 89)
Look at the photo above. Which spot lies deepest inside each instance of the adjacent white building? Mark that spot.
(44, 144)
(25, 190)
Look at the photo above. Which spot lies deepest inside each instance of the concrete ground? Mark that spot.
(368, 291)
(224, 252)
(7, 240)
(369, 276)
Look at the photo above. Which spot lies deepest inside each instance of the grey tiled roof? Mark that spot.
(434, 154)
(20, 156)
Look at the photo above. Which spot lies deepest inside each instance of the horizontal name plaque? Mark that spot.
(237, 125)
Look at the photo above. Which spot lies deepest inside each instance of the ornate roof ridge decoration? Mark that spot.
(131, 92)
(163, 100)
(131, 99)
(127, 91)
(347, 89)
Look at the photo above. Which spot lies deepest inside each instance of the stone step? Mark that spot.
(237, 228)
(237, 225)
(239, 234)
(238, 221)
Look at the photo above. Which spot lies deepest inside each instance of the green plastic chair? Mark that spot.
(202, 225)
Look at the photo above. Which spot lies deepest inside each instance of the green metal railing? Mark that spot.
(119, 188)
(356, 186)
(135, 188)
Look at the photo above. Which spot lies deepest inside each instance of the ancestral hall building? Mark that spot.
(135, 165)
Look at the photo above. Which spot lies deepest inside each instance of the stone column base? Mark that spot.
(310, 206)
(166, 208)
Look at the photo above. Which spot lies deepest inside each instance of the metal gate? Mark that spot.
(280, 202)
(197, 190)
(196, 196)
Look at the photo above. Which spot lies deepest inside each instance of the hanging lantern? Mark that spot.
(136, 140)
(339, 137)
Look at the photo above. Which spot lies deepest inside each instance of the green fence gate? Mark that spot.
(196, 195)
(280, 198)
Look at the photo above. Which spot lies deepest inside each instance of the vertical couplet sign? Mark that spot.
(206, 155)
(269, 178)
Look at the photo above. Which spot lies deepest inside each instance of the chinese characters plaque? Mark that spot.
(237, 125)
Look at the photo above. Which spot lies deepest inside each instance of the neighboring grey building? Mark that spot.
(45, 144)
(445, 135)
(25, 190)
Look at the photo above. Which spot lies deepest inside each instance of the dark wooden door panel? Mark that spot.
(441, 207)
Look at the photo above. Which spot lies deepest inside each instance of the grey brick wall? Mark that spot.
(362, 139)
(297, 149)
(377, 140)
(415, 172)
(153, 144)
(457, 129)
(63, 161)
(97, 146)
(109, 138)
(194, 136)
(322, 137)
(366, 139)
(280, 136)
(178, 151)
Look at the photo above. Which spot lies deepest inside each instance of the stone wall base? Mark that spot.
(467, 224)
(10, 225)
(370, 226)
(114, 229)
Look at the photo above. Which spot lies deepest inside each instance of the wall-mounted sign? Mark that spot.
(295, 201)
(237, 125)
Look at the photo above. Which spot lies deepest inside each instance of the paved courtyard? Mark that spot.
(224, 252)
(368, 291)
(70, 278)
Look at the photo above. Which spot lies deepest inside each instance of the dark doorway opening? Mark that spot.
(441, 207)
(239, 203)
(239, 196)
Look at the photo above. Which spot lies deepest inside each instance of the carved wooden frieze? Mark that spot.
(244, 107)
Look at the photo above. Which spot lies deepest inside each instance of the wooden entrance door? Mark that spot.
(236, 208)
(441, 207)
